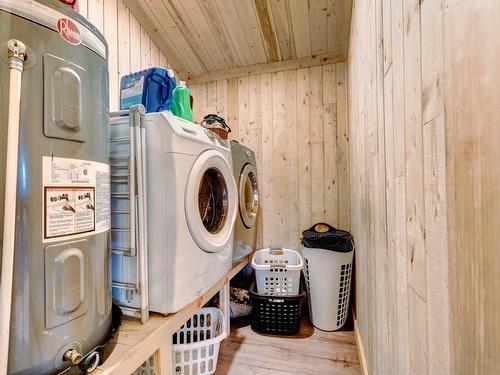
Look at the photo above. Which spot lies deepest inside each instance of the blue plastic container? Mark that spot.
(151, 87)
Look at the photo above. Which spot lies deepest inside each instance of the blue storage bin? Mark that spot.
(151, 87)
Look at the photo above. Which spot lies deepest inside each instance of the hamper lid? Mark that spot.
(324, 236)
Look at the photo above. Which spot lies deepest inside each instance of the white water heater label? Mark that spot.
(76, 198)
(69, 211)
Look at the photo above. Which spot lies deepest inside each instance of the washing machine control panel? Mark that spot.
(195, 132)
(216, 140)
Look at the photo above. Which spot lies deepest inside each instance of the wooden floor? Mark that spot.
(312, 352)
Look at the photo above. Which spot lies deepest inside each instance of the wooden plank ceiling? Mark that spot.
(205, 36)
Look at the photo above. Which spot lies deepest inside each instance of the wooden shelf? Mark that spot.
(136, 342)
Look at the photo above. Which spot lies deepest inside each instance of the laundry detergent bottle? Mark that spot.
(181, 102)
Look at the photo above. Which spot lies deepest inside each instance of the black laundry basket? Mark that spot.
(276, 315)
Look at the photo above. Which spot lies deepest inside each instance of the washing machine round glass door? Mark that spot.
(249, 195)
(211, 201)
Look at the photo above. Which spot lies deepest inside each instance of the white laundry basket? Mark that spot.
(328, 274)
(277, 271)
(197, 342)
(147, 368)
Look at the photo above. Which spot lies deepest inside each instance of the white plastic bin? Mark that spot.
(277, 271)
(197, 342)
(328, 276)
(328, 282)
(147, 368)
(197, 353)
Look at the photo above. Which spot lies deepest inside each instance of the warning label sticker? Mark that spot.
(76, 195)
(69, 211)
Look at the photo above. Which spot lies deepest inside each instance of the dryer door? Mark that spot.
(249, 195)
(211, 201)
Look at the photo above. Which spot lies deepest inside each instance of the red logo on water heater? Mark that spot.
(69, 31)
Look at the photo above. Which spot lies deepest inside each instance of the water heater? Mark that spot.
(61, 293)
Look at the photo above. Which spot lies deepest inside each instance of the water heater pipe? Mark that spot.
(16, 53)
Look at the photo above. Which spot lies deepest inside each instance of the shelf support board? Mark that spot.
(136, 342)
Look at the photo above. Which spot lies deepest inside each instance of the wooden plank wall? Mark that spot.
(296, 122)
(398, 185)
(472, 87)
(130, 47)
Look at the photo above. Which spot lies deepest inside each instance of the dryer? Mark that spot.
(192, 206)
(245, 229)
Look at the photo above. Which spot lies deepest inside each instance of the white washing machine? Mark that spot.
(192, 207)
(245, 228)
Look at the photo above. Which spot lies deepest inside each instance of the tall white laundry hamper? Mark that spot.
(328, 257)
